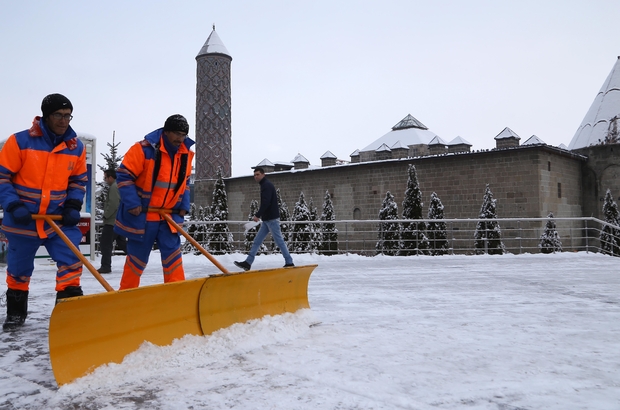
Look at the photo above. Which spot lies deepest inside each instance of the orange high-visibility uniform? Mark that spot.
(169, 190)
(42, 176)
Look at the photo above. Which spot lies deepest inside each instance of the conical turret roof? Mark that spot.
(213, 45)
(604, 113)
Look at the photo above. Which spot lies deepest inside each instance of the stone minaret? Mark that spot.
(213, 132)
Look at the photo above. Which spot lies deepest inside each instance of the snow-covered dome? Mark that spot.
(409, 131)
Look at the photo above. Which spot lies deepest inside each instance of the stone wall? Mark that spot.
(524, 181)
(600, 173)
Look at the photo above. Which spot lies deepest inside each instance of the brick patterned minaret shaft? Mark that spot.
(213, 117)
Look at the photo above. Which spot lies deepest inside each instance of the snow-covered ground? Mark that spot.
(452, 332)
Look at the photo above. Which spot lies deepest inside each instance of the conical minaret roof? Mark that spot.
(604, 113)
(213, 45)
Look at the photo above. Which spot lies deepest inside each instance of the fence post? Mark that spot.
(587, 237)
(520, 237)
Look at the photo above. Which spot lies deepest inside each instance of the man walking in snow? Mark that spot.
(108, 236)
(269, 212)
(42, 171)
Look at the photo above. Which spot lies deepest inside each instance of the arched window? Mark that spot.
(357, 214)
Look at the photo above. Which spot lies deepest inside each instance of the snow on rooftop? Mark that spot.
(328, 154)
(507, 133)
(213, 45)
(399, 145)
(355, 153)
(437, 141)
(383, 147)
(300, 158)
(534, 140)
(604, 111)
(408, 131)
(459, 141)
(265, 163)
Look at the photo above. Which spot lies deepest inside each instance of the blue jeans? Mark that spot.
(273, 226)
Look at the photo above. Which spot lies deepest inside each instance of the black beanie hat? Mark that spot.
(176, 122)
(53, 103)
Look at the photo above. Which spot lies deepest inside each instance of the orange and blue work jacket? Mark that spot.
(41, 175)
(138, 187)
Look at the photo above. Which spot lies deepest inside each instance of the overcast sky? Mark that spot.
(308, 77)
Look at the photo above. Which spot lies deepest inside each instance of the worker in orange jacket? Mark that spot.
(42, 171)
(155, 173)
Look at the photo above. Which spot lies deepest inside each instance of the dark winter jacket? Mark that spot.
(268, 201)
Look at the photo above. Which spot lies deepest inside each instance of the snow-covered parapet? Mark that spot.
(534, 140)
(507, 139)
(300, 162)
(459, 144)
(328, 159)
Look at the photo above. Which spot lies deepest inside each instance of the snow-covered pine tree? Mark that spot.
(302, 232)
(190, 228)
(610, 234)
(488, 236)
(250, 234)
(220, 238)
(329, 234)
(436, 231)
(200, 230)
(315, 228)
(111, 160)
(389, 232)
(413, 240)
(285, 225)
(550, 239)
(285, 216)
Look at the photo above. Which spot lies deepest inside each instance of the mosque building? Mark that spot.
(528, 179)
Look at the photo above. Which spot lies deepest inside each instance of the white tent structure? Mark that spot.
(601, 123)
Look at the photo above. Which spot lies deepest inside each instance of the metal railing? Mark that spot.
(518, 235)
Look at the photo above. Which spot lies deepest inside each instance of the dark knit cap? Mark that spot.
(177, 122)
(53, 103)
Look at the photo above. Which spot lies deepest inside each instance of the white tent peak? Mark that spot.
(603, 118)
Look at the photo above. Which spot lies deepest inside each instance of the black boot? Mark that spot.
(69, 292)
(16, 309)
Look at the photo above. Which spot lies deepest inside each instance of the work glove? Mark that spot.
(21, 215)
(71, 212)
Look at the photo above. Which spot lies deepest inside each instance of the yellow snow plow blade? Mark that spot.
(86, 332)
(237, 298)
